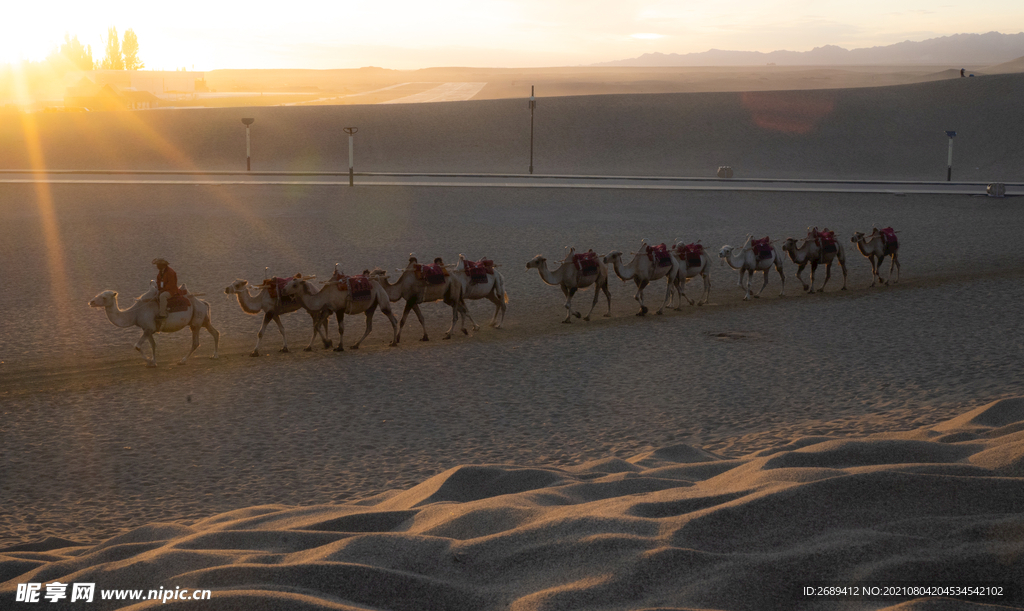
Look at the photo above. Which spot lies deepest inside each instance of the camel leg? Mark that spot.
(465, 313)
(385, 307)
(419, 316)
(569, 292)
(814, 268)
(668, 295)
(316, 331)
(842, 266)
(269, 316)
(895, 263)
(782, 276)
(455, 320)
(757, 295)
(874, 271)
(323, 323)
(369, 325)
(593, 304)
(608, 298)
(495, 298)
(639, 297)
(340, 316)
(706, 291)
(195, 344)
(828, 274)
(800, 270)
(208, 325)
(146, 335)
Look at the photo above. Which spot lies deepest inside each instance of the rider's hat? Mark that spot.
(160, 261)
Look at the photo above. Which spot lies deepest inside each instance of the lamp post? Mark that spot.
(248, 148)
(351, 175)
(949, 160)
(533, 105)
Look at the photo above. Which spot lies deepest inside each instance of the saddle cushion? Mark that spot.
(890, 240)
(478, 270)
(178, 303)
(275, 286)
(827, 241)
(691, 253)
(432, 274)
(360, 287)
(586, 263)
(762, 248)
(659, 255)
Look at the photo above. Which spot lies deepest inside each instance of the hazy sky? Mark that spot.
(212, 34)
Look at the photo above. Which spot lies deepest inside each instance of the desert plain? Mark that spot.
(717, 457)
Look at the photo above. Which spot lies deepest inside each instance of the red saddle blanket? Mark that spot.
(762, 248)
(178, 303)
(827, 241)
(360, 287)
(890, 240)
(275, 286)
(586, 263)
(691, 253)
(432, 274)
(659, 255)
(478, 270)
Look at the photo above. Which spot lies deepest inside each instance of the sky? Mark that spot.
(411, 34)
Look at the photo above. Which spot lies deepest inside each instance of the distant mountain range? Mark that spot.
(958, 50)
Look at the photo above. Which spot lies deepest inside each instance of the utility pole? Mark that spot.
(248, 148)
(949, 160)
(533, 105)
(351, 173)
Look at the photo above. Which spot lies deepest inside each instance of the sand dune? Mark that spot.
(883, 132)
(675, 527)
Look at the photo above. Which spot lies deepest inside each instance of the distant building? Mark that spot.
(129, 89)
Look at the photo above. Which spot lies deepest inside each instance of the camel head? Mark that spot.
(236, 287)
(536, 262)
(789, 245)
(104, 299)
(857, 237)
(294, 286)
(611, 256)
(377, 273)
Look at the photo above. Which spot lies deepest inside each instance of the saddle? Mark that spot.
(586, 263)
(179, 302)
(826, 241)
(431, 274)
(762, 248)
(477, 271)
(659, 255)
(691, 253)
(359, 287)
(890, 241)
(275, 286)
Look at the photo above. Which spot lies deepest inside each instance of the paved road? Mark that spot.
(366, 179)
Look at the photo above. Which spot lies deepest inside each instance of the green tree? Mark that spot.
(112, 60)
(130, 51)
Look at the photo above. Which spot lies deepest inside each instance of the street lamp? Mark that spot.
(949, 161)
(351, 132)
(533, 105)
(248, 148)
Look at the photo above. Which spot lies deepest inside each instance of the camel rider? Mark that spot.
(166, 285)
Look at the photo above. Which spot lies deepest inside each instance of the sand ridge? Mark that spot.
(673, 527)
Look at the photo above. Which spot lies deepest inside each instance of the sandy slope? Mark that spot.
(670, 528)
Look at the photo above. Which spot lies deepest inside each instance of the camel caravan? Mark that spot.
(168, 307)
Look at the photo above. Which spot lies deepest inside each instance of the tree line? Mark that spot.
(119, 54)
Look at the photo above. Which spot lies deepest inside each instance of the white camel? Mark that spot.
(272, 308)
(337, 297)
(143, 314)
(485, 284)
(576, 272)
(876, 249)
(691, 263)
(415, 288)
(747, 262)
(810, 252)
(648, 264)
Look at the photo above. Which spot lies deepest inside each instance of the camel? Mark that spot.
(809, 252)
(272, 309)
(143, 313)
(489, 286)
(643, 269)
(747, 261)
(576, 272)
(337, 297)
(415, 288)
(685, 271)
(875, 248)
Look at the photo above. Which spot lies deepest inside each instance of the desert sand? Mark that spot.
(720, 457)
